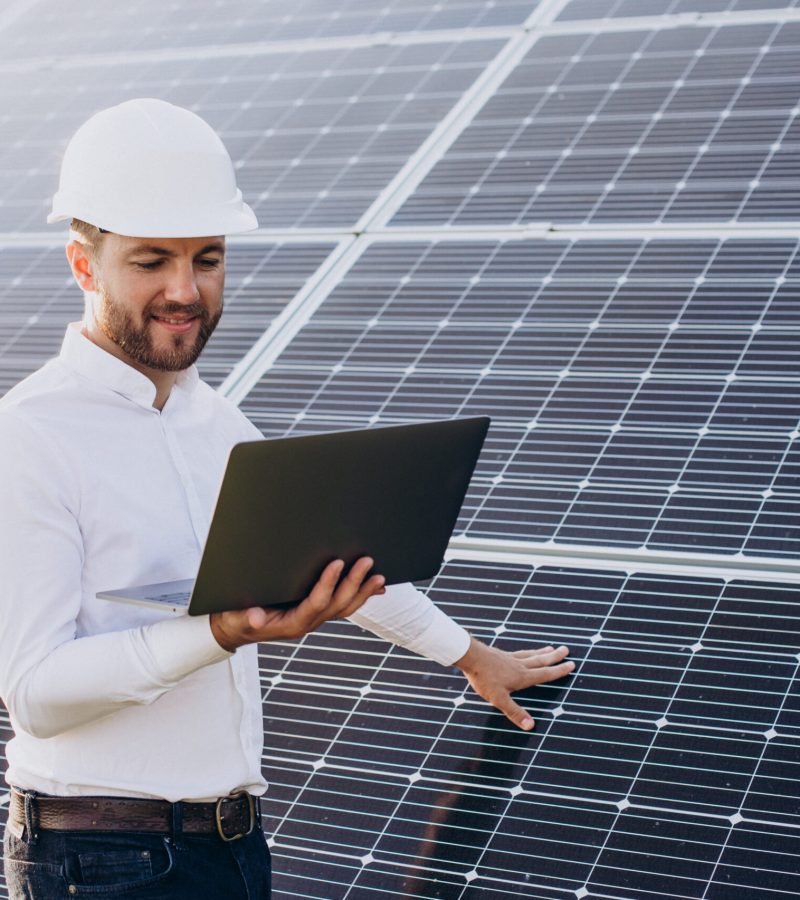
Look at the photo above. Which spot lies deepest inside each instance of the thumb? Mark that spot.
(256, 617)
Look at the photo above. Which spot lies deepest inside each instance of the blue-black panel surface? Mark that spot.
(315, 133)
(643, 393)
(653, 768)
(675, 124)
(148, 25)
(615, 9)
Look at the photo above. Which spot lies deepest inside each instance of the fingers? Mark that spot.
(376, 584)
(545, 668)
(332, 597)
(354, 589)
(495, 674)
(545, 656)
(551, 673)
(514, 713)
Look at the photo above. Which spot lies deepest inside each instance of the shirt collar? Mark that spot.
(104, 369)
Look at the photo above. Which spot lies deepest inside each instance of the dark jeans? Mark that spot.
(132, 866)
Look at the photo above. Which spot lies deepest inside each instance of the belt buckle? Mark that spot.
(251, 808)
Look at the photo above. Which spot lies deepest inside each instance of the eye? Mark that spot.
(149, 266)
(209, 262)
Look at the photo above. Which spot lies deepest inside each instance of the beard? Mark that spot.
(136, 341)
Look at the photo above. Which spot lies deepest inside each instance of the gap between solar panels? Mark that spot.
(645, 560)
(675, 20)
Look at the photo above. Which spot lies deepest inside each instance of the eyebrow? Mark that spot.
(156, 250)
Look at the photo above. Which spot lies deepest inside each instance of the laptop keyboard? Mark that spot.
(174, 598)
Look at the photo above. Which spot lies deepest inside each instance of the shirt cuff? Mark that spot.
(406, 616)
(444, 640)
(181, 645)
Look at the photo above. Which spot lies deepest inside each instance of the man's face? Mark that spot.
(159, 299)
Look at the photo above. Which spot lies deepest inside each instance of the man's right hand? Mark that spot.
(329, 599)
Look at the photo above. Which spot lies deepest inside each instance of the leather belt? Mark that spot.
(229, 817)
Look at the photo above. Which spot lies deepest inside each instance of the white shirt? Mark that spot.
(101, 490)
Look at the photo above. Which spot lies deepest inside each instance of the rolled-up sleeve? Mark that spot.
(406, 616)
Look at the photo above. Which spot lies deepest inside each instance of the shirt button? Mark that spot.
(73, 889)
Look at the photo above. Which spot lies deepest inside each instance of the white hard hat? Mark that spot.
(146, 168)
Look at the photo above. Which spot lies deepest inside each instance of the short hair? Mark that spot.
(90, 235)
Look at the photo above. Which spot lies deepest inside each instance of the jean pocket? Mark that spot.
(117, 871)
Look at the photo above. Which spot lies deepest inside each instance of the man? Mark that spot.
(135, 765)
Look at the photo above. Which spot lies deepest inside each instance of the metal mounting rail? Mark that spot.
(581, 556)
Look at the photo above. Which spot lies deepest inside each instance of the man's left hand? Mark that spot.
(495, 673)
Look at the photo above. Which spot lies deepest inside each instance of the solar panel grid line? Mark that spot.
(276, 832)
(729, 650)
(575, 376)
(378, 838)
(249, 50)
(31, 238)
(665, 104)
(419, 165)
(286, 325)
(686, 463)
(599, 231)
(738, 814)
(624, 164)
(565, 700)
(545, 177)
(745, 80)
(673, 20)
(577, 350)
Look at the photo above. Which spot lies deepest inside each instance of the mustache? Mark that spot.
(179, 309)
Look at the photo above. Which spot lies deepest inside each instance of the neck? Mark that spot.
(163, 381)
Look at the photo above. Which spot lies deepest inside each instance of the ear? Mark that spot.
(81, 264)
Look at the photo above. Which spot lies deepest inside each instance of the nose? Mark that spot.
(181, 286)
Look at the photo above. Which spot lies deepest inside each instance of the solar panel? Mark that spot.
(677, 124)
(316, 134)
(601, 9)
(651, 769)
(615, 390)
(227, 22)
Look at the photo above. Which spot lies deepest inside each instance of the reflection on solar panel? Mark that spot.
(693, 123)
(173, 26)
(316, 134)
(637, 350)
(599, 9)
(651, 773)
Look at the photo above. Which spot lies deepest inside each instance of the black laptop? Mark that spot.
(288, 506)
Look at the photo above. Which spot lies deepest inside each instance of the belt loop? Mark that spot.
(176, 824)
(31, 816)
